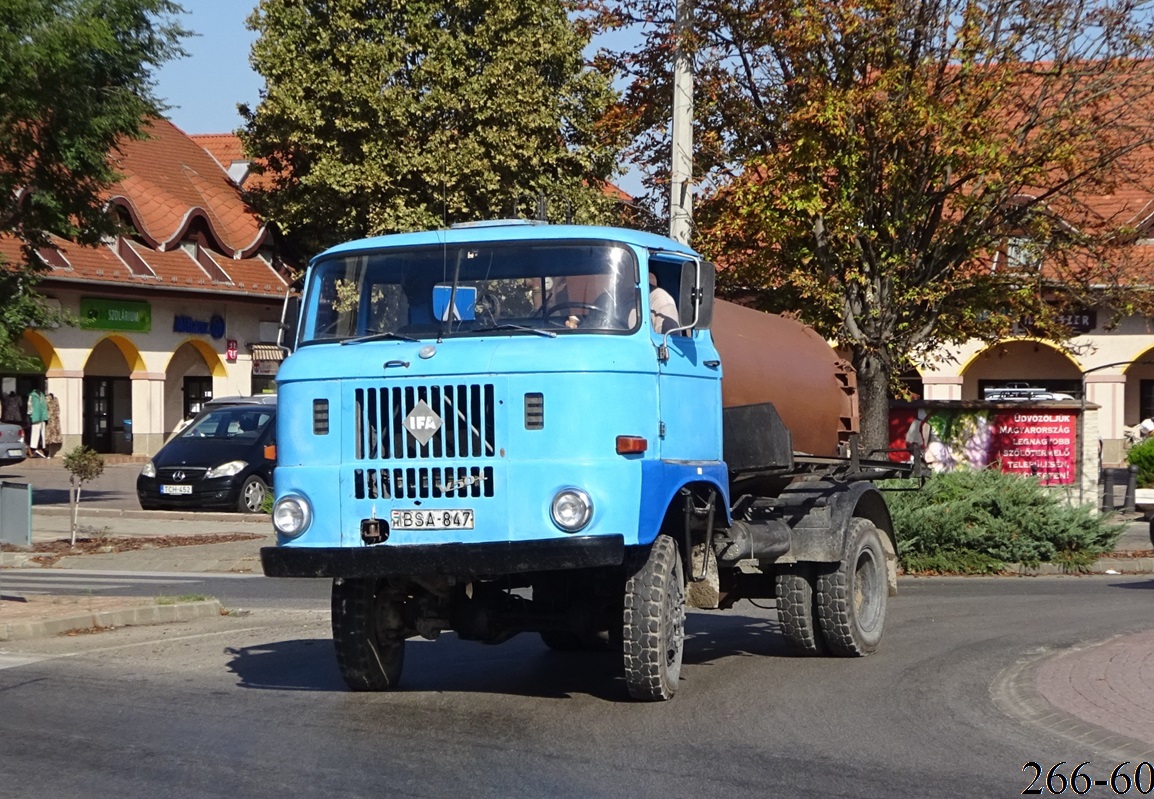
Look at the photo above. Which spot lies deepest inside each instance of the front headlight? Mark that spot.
(149, 470)
(226, 469)
(572, 509)
(291, 515)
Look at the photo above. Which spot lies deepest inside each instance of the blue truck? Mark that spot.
(492, 429)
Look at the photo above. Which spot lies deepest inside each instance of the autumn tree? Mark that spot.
(76, 77)
(909, 174)
(382, 116)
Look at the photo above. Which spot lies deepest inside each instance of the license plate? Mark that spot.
(176, 489)
(15, 453)
(456, 519)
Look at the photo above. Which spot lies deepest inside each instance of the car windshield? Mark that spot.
(238, 424)
(556, 288)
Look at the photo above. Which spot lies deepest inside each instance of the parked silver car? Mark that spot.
(12, 447)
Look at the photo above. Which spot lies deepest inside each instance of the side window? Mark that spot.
(664, 285)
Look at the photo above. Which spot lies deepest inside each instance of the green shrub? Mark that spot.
(975, 522)
(1142, 456)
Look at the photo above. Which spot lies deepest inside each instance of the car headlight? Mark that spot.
(291, 515)
(226, 469)
(149, 470)
(572, 509)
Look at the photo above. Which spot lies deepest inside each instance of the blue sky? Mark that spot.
(204, 88)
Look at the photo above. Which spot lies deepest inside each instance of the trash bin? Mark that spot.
(1127, 478)
(127, 429)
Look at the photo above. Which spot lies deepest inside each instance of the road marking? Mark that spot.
(39, 581)
(125, 574)
(15, 661)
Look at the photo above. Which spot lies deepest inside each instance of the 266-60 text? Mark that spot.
(1123, 778)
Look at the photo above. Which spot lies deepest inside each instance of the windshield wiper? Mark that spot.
(511, 326)
(382, 336)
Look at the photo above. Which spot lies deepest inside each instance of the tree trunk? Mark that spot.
(75, 496)
(874, 404)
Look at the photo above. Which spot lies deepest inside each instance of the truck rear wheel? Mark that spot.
(797, 608)
(851, 598)
(654, 622)
(369, 656)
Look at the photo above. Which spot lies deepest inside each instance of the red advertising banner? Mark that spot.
(1042, 443)
(1039, 442)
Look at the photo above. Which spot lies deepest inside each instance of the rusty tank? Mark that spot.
(770, 358)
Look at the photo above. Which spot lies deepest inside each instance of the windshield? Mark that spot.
(238, 424)
(462, 290)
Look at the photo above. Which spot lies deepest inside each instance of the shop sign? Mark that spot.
(1079, 320)
(98, 313)
(1042, 443)
(230, 350)
(198, 327)
(265, 368)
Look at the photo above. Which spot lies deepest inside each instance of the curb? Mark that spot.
(123, 617)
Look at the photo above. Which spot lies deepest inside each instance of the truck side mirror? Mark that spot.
(289, 321)
(695, 299)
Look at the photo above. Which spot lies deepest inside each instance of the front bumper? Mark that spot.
(458, 560)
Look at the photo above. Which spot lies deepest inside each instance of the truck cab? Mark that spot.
(487, 429)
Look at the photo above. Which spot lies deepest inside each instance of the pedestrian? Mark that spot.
(38, 420)
(52, 435)
(10, 410)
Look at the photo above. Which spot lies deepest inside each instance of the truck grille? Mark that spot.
(465, 435)
(467, 428)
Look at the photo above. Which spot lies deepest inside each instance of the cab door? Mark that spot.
(689, 376)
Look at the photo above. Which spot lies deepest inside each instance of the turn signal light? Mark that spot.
(270, 452)
(631, 445)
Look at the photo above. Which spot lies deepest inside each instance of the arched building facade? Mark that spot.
(185, 305)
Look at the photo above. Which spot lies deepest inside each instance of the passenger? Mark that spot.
(662, 309)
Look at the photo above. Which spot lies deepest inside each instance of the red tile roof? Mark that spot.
(193, 230)
(169, 181)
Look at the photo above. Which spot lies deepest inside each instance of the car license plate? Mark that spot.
(456, 519)
(15, 453)
(176, 489)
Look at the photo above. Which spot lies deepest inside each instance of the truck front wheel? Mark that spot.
(654, 622)
(366, 634)
(797, 608)
(851, 597)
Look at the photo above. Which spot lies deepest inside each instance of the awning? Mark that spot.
(267, 352)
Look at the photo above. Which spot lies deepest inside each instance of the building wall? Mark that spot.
(1109, 365)
(148, 367)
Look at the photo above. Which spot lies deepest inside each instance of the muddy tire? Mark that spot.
(654, 622)
(851, 596)
(797, 608)
(369, 658)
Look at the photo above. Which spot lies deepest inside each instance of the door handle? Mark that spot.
(712, 364)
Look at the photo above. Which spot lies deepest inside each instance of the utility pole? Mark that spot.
(681, 168)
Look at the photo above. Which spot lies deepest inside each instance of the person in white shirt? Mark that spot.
(662, 309)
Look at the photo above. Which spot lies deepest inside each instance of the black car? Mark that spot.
(219, 460)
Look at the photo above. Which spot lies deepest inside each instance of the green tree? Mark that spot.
(83, 464)
(872, 163)
(382, 115)
(75, 79)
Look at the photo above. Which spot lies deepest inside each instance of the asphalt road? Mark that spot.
(253, 706)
